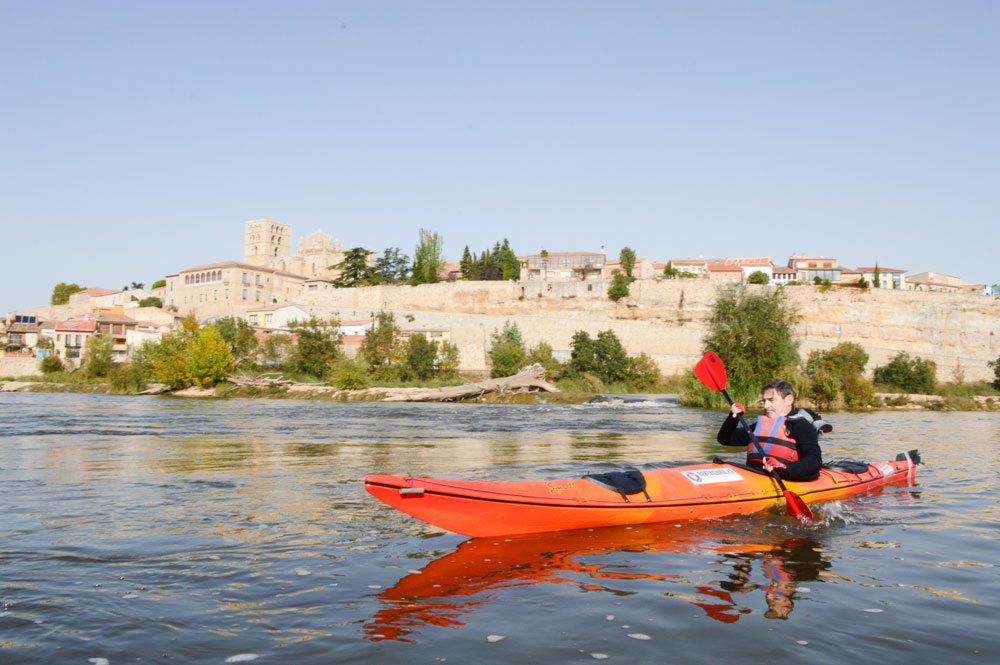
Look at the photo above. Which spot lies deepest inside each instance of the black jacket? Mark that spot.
(732, 433)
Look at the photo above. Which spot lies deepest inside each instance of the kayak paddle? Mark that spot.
(712, 373)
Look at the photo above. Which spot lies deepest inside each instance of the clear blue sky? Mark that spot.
(139, 137)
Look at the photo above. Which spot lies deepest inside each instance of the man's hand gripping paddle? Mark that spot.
(712, 373)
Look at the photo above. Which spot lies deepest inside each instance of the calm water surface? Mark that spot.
(158, 530)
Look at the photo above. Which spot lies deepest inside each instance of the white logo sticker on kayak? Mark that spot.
(887, 469)
(706, 476)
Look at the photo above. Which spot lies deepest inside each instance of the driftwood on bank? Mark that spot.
(244, 381)
(529, 379)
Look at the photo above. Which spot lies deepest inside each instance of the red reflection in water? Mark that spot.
(455, 585)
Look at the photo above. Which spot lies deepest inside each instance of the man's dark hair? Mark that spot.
(780, 386)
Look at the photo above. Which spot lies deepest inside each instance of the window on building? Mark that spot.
(268, 318)
(257, 295)
(244, 294)
(253, 318)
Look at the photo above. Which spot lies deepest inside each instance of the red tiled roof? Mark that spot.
(757, 261)
(98, 292)
(115, 318)
(24, 328)
(77, 325)
(237, 264)
(724, 268)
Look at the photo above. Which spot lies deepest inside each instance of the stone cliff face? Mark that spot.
(666, 319)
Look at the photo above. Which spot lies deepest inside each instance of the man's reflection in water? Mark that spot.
(783, 568)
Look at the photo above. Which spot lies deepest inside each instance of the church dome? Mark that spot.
(319, 243)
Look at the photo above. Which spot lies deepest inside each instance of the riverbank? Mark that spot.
(886, 401)
(306, 392)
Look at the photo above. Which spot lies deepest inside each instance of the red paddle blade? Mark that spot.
(796, 507)
(711, 372)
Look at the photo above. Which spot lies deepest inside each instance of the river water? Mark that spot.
(160, 530)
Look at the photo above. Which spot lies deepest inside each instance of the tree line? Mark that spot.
(753, 334)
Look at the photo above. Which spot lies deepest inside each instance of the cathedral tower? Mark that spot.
(266, 240)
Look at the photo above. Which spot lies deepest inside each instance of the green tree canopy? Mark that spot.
(62, 291)
(392, 267)
(317, 348)
(753, 334)
(151, 301)
(354, 270)
(627, 258)
(210, 359)
(428, 259)
(420, 354)
(507, 353)
(619, 286)
(158, 283)
(995, 364)
(837, 375)
(603, 356)
(98, 355)
(466, 264)
(447, 362)
(240, 337)
(758, 277)
(381, 345)
(910, 373)
(275, 349)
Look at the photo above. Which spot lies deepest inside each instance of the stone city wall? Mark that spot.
(17, 367)
(666, 319)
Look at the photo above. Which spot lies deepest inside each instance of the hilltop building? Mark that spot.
(268, 244)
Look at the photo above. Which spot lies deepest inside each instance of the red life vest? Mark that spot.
(773, 438)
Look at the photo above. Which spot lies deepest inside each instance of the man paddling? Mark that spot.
(787, 435)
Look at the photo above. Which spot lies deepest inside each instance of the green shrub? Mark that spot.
(836, 377)
(317, 347)
(51, 364)
(382, 346)
(420, 354)
(824, 389)
(507, 354)
(643, 372)
(912, 375)
(98, 356)
(128, 378)
(619, 286)
(995, 364)
(542, 355)
(348, 374)
(447, 361)
(210, 358)
(603, 356)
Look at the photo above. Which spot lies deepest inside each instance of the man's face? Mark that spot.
(775, 405)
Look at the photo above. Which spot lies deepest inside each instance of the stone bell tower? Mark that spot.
(266, 240)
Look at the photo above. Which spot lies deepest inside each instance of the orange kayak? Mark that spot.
(699, 491)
